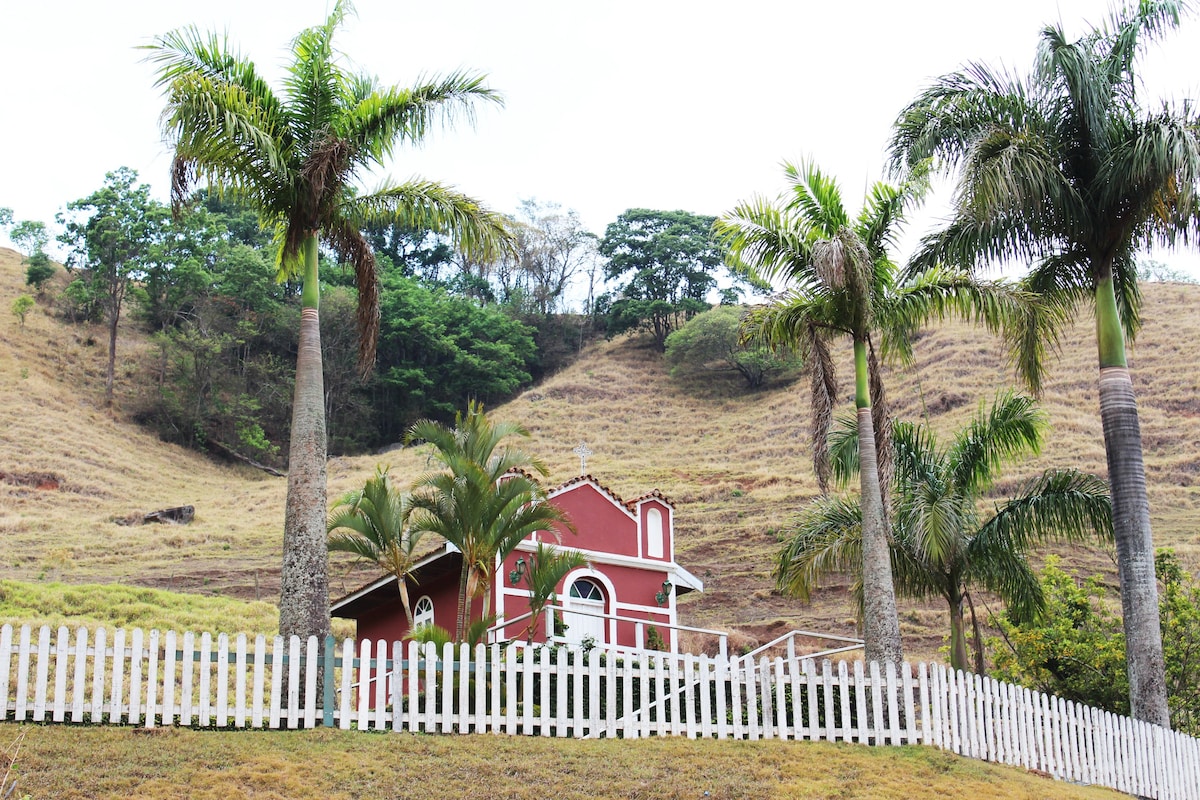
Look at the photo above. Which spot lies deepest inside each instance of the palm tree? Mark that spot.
(293, 155)
(844, 283)
(371, 524)
(547, 566)
(941, 547)
(1065, 172)
(483, 502)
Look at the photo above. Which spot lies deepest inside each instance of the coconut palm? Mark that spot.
(1064, 171)
(370, 523)
(842, 282)
(942, 546)
(483, 502)
(293, 155)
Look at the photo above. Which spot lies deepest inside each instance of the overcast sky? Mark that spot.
(608, 105)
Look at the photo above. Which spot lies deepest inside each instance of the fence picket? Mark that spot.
(860, 701)
(827, 684)
(431, 686)
(414, 680)
(24, 650)
(222, 716)
(562, 685)
(260, 681)
(446, 721)
(846, 733)
(167, 711)
(497, 708)
(60, 676)
(80, 679)
(380, 676)
(753, 731)
(542, 672)
(892, 704)
(704, 694)
(908, 705)
(239, 682)
(293, 694)
(464, 687)
(276, 682)
(187, 670)
(43, 673)
(592, 659)
(876, 705)
(398, 677)
(151, 678)
(6, 650)
(312, 656)
(812, 730)
(721, 679)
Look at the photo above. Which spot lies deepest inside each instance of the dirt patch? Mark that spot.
(46, 481)
(947, 401)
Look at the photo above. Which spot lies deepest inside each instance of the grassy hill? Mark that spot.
(736, 463)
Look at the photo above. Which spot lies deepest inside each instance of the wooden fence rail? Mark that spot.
(135, 678)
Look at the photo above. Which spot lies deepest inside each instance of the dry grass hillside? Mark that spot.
(736, 463)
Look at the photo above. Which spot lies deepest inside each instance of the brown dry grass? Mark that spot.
(273, 765)
(736, 463)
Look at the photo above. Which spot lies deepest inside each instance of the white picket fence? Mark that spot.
(134, 678)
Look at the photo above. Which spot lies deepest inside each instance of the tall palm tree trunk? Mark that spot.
(304, 590)
(460, 623)
(958, 633)
(881, 626)
(1130, 516)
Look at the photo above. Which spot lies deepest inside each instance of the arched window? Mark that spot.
(654, 533)
(585, 589)
(423, 612)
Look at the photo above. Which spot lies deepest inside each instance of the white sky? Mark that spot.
(609, 105)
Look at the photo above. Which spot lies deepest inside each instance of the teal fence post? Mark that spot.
(330, 698)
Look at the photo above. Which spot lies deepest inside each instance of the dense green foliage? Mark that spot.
(1076, 650)
(669, 262)
(711, 340)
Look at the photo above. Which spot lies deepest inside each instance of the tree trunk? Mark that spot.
(460, 622)
(113, 319)
(304, 584)
(1131, 517)
(881, 626)
(958, 634)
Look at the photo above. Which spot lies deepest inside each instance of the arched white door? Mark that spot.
(585, 595)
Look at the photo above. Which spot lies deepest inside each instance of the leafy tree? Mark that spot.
(1063, 170)
(6, 217)
(844, 283)
(39, 271)
(941, 546)
(292, 156)
(21, 306)
(712, 340)
(31, 236)
(437, 351)
(112, 234)
(1077, 648)
(669, 262)
(483, 501)
(371, 524)
(408, 251)
(179, 268)
(541, 573)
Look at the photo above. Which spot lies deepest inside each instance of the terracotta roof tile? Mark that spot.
(632, 504)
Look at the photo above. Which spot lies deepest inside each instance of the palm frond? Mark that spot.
(825, 538)
(428, 205)
(1011, 428)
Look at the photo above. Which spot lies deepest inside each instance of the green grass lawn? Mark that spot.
(61, 761)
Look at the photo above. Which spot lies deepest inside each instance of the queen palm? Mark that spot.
(371, 523)
(842, 282)
(293, 155)
(483, 501)
(1065, 172)
(942, 546)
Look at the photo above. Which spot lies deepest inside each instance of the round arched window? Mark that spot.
(584, 589)
(423, 612)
